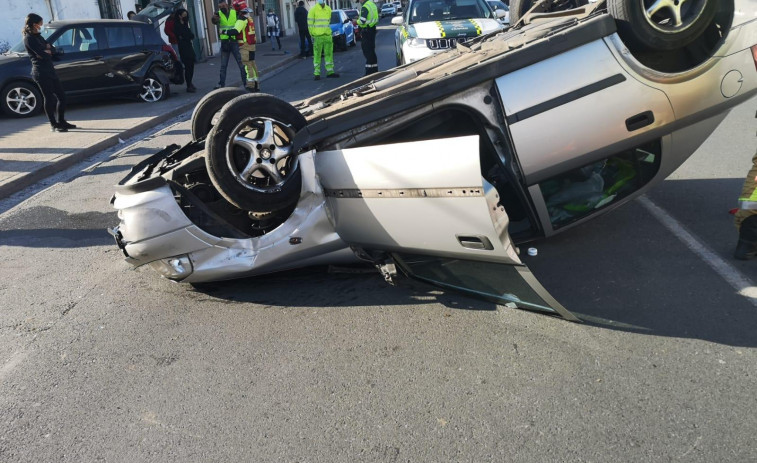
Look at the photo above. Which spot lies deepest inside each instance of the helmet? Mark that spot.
(239, 5)
(247, 10)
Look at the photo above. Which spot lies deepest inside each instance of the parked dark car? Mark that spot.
(94, 58)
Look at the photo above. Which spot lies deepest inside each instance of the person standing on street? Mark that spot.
(168, 28)
(247, 49)
(184, 38)
(319, 18)
(43, 72)
(226, 19)
(301, 19)
(367, 21)
(274, 28)
(746, 217)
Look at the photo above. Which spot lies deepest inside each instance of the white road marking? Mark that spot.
(742, 284)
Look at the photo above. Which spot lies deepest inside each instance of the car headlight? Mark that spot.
(335, 34)
(416, 42)
(174, 268)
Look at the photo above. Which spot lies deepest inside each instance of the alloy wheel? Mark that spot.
(671, 16)
(259, 153)
(21, 101)
(152, 90)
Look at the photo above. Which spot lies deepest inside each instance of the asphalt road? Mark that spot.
(101, 362)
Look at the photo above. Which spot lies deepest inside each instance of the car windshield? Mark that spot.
(497, 5)
(445, 10)
(46, 32)
(387, 6)
(335, 19)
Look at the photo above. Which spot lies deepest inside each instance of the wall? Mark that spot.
(14, 14)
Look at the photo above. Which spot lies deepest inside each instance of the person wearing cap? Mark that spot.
(246, 42)
(319, 18)
(369, 17)
(746, 217)
(226, 20)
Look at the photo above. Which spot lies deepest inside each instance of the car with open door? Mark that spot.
(441, 169)
(93, 59)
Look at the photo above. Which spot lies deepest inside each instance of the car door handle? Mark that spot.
(640, 121)
(475, 242)
(97, 58)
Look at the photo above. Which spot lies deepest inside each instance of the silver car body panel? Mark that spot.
(436, 203)
(154, 227)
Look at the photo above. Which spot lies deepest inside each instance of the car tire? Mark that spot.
(153, 89)
(207, 108)
(21, 99)
(342, 40)
(354, 41)
(641, 30)
(518, 8)
(241, 163)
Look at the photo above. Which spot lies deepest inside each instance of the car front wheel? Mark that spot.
(207, 108)
(21, 99)
(153, 89)
(249, 153)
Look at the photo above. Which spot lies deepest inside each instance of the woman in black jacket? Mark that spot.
(184, 36)
(43, 73)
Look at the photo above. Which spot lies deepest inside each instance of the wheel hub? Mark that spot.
(671, 16)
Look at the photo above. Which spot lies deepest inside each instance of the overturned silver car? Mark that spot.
(440, 169)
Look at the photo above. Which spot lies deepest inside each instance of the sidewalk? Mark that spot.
(29, 152)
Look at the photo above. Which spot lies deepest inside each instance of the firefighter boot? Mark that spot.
(746, 248)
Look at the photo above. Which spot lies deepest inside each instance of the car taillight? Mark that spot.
(169, 49)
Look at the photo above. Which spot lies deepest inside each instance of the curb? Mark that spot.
(31, 178)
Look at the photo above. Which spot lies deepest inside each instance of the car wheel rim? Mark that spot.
(673, 16)
(152, 90)
(21, 100)
(259, 154)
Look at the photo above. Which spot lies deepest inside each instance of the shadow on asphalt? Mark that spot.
(47, 227)
(329, 286)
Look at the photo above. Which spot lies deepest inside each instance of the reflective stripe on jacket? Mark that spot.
(247, 27)
(319, 18)
(369, 15)
(227, 22)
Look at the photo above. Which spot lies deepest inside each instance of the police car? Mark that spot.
(431, 26)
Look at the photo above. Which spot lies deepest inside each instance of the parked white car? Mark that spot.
(388, 9)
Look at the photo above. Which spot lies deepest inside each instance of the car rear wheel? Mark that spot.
(342, 41)
(207, 108)
(662, 24)
(153, 89)
(21, 99)
(249, 153)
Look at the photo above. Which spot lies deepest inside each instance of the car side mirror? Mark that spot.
(500, 13)
(397, 20)
(348, 20)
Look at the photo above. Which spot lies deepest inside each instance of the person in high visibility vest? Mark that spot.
(746, 217)
(246, 42)
(367, 21)
(319, 18)
(226, 20)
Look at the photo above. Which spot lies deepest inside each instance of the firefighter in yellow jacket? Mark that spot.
(247, 41)
(319, 18)
(746, 217)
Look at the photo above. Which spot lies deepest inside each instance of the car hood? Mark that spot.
(454, 28)
(13, 58)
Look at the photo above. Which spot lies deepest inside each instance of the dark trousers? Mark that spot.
(188, 60)
(55, 98)
(369, 50)
(233, 48)
(306, 42)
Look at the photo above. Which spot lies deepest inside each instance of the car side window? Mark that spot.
(120, 37)
(77, 39)
(139, 36)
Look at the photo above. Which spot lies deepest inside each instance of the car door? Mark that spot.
(426, 204)
(126, 55)
(81, 68)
